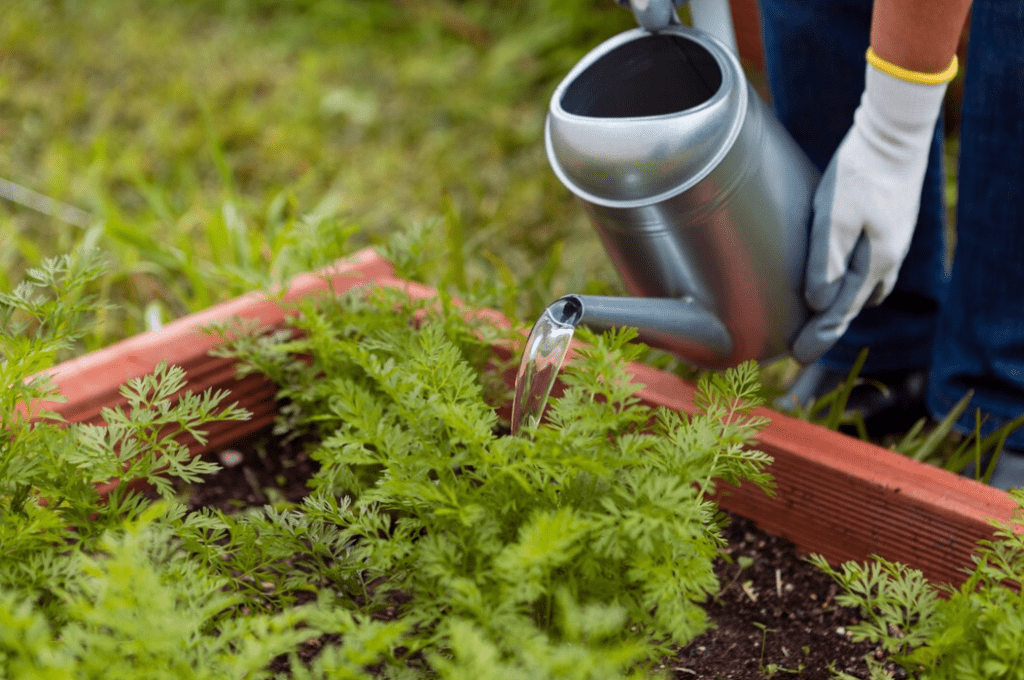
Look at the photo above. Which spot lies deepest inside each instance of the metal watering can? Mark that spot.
(700, 196)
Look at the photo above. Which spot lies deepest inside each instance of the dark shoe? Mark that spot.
(889, 402)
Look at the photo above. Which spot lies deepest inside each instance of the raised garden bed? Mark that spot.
(835, 496)
(775, 613)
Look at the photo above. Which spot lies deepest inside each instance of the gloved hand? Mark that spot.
(866, 206)
(711, 16)
(654, 15)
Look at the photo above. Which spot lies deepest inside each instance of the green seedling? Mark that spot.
(591, 538)
(941, 631)
(771, 669)
(743, 562)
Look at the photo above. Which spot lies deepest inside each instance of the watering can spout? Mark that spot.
(680, 325)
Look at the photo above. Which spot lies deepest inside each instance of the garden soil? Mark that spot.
(776, 616)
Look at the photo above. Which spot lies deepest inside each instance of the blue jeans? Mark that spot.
(964, 325)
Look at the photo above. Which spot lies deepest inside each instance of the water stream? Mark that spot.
(542, 358)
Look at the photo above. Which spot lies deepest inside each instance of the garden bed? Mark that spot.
(837, 496)
(776, 613)
(834, 495)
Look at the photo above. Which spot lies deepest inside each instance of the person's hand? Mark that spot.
(711, 16)
(654, 15)
(866, 206)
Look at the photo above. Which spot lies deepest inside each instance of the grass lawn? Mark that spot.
(216, 145)
(212, 147)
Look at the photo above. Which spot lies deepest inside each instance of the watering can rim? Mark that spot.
(733, 85)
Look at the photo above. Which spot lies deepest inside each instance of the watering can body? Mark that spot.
(701, 198)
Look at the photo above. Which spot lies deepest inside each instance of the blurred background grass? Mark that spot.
(217, 145)
(213, 147)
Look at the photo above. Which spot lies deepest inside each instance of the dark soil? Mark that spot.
(775, 617)
(269, 470)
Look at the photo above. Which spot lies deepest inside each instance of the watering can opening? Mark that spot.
(655, 75)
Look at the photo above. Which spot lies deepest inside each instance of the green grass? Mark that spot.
(220, 146)
(209, 142)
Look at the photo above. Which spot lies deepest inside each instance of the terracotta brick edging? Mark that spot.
(834, 495)
(849, 499)
(93, 381)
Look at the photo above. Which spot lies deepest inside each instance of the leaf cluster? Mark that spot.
(971, 632)
(580, 549)
(98, 586)
(432, 544)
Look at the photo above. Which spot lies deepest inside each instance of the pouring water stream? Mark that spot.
(543, 356)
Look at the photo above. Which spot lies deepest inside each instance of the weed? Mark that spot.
(936, 443)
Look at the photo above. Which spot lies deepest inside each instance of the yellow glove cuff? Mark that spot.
(913, 76)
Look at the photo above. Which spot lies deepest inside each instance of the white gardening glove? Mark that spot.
(654, 15)
(866, 206)
(711, 16)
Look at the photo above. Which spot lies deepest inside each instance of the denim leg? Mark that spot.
(980, 342)
(814, 56)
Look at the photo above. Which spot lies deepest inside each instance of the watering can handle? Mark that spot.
(711, 16)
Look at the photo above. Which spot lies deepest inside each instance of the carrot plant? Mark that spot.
(582, 549)
(971, 632)
(431, 544)
(94, 586)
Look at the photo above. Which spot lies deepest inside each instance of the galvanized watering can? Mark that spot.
(701, 198)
